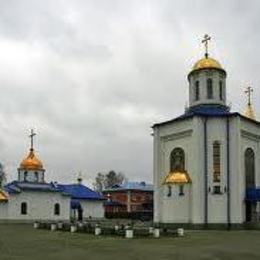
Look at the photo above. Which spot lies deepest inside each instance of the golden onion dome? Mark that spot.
(249, 113)
(31, 162)
(3, 196)
(177, 177)
(206, 63)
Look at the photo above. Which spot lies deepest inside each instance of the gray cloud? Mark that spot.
(93, 76)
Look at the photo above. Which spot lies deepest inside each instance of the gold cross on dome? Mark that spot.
(31, 137)
(248, 92)
(205, 40)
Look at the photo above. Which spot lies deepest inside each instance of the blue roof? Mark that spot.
(75, 191)
(253, 194)
(203, 110)
(209, 110)
(132, 186)
(17, 187)
(11, 188)
(206, 110)
(79, 191)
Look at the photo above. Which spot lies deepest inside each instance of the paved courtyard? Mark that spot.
(22, 242)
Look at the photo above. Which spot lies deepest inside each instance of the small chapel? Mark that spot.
(30, 198)
(207, 160)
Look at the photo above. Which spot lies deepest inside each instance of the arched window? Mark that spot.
(250, 168)
(209, 89)
(24, 208)
(177, 160)
(216, 161)
(25, 175)
(220, 90)
(197, 90)
(36, 176)
(250, 206)
(57, 209)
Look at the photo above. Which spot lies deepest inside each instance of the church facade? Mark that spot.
(31, 198)
(207, 161)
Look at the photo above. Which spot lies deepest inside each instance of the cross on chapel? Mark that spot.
(31, 137)
(205, 40)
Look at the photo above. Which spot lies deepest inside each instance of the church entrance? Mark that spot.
(80, 214)
(250, 206)
(76, 210)
(250, 211)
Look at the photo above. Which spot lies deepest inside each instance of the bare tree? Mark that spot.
(99, 183)
(108, 180)
(113, 178)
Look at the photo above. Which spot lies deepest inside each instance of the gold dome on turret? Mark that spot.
(249, 113)
(207, 63)
(31, 162)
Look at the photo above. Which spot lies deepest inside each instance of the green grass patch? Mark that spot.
(22, 242)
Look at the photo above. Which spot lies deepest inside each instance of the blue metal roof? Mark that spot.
(209, 110)
(11, 188)
(17, 187)
(205, 110)
(132, 186)
(253, 194)
(75, 191)
(202, 110)
(79, 191)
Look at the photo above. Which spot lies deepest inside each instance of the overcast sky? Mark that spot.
(91, 77)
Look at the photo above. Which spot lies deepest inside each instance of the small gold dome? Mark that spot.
(31, 162)
(177, 177)
(207, 63)
(3, 196)
(250, 112)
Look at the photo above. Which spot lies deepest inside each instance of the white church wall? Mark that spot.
(189, 135)
(202, 77)
(92, 208)
(196, 171)
(31, 175)
(177, 207)
(249, 138)
(237, 190)
(3, 210)
(217, 203)
(40, 206)
(156, 176)
(166, 139)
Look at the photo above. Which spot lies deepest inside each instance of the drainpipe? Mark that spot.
(128, 205)
(228, 173)
(205, 172)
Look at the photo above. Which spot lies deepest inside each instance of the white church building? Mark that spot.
(31, 198)
(207, 161)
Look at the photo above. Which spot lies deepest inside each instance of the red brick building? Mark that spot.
(129, 197)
